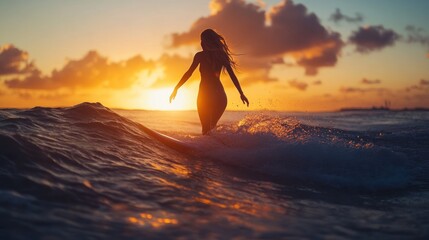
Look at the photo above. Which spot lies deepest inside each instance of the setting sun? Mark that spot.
(158, 99)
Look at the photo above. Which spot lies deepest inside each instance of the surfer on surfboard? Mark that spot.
(214, 58)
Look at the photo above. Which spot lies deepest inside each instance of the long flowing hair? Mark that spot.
(218, 50)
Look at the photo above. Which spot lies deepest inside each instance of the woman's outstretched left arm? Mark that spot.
(186, 76)
(236, 84)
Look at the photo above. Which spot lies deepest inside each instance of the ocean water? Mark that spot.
(90, 172)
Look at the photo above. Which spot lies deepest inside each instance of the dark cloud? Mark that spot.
(302, 86)
(369, 81)
(417, 35)
(93, 70)
(13, 60)
(290, 30)
(337, 17)
(326, 59)
(373, 38)
(424, 82)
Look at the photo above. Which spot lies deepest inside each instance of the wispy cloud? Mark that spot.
(362, 90)
(338, 16)
(417, 35)
(422, 85)
(369, 81)
(317, 82)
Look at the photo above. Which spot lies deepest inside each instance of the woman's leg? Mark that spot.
(204, 114)
(218, 109)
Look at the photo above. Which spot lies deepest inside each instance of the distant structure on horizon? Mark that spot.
(386, 107)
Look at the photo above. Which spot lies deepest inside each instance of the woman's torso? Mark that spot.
(210, 73)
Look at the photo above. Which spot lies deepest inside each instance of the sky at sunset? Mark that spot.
(301, 55)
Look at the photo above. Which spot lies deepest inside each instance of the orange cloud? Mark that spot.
(174, 66)
(290, 29)
(298, 85)
(13, 60)
(93, 70)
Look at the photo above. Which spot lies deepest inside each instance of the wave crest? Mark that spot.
(284, 148)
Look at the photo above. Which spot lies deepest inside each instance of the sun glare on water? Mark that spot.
(159, 99)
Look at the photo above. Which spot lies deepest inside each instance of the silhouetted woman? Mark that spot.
(211, 102)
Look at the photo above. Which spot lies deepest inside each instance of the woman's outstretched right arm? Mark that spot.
(187, 75)
(236, 84)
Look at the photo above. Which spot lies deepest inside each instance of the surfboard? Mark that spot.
(167, 140)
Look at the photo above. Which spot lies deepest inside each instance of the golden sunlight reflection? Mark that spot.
(156, 220)
(222, 200)
(171, 168)
(87, 183)
(158, 99)
(244, 206)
